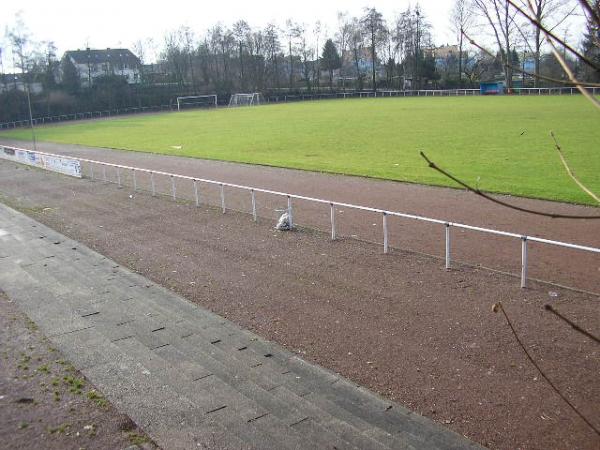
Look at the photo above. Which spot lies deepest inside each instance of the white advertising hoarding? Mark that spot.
(64, 165)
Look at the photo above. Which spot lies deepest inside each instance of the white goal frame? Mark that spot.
(179, 99)
(253, 99)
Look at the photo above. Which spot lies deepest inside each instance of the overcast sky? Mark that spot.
(112, 23)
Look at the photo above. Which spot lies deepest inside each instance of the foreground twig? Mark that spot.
(570, 172)
(573, 325)
(525, 72)
(551, 39)
(536, 23)
(498, 307)
(500, 202)
(590, 11)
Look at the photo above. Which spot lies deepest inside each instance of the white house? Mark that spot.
(17, 81)
(91, 64)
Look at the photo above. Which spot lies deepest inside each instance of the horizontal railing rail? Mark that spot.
(525, 239)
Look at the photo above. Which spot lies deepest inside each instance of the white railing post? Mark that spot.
(290, 212)
(524, 261)
(104, 173)
(196, 196)
(223, 198)
(254, 216)
(333, 231)
(447, 246)
(173, 189)
(92, 171)
(385, 234)
(134, 180)
(153, 185)
(119, 176)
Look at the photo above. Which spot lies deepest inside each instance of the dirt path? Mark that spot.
(567, 267)
(398, 323)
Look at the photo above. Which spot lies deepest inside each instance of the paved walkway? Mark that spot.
(188, 377)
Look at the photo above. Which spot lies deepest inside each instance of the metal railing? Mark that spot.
(85, 115)
(285, 98)
(554, 91)
(332, 204)
(282, 98)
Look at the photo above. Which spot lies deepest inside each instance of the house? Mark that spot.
(19, 82)
(445, 52)
(445, 56)
(91, 64)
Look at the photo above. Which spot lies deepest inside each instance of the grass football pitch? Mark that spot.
(500, 144)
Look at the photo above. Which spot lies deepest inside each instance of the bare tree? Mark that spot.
(241, 31)
(462, 19)
(2, 73)
(402, 38)
(306, 52)
(500, 16)
(374, 26)
(19, 41)
(552, 13)
(356, 45)
(273, 48)
(342, 36)
(388, 51)
(188, 39)
(293, 32)
(318, 28)
(175, 55)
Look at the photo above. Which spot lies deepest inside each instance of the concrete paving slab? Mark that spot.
(187, 376)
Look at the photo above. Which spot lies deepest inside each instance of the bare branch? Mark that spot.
(500, 202)
(498, 307)
(571, 75)
(570, 172)
(590, 11)
(573, 325)
(552, 40)
(549, 34)
(575, 83)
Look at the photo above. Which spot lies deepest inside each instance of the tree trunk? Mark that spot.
(291, 67)
(373, 57)
(538, 45)
(508, 55)
(460, 60)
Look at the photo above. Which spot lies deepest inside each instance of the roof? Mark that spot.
(445, 51)
(109, 55)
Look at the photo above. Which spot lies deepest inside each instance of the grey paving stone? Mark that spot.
(188, 377)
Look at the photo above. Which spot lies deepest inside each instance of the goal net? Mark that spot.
(252, 99)
(196, 101)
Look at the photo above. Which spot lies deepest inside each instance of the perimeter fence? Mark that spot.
(325, 214)
(288, 98)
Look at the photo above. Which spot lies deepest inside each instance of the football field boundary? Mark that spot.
(98, 170)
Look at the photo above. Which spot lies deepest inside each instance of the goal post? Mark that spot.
(196, 100)
(246, 99)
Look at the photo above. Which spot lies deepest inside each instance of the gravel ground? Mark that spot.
(46, 403)
(399, 324)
